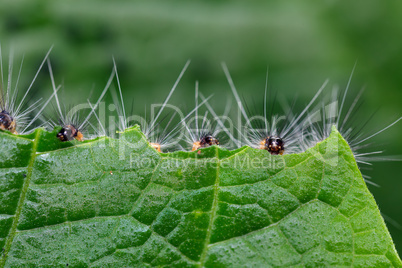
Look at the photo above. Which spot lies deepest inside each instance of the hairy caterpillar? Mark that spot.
(14, 112)
(205, 134)
(72, 126)
(160, 140)
(331, 112)
(277, 134)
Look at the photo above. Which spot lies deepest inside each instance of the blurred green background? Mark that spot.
(302, 42)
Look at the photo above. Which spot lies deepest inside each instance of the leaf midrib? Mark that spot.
(213, 213)
(24, 189)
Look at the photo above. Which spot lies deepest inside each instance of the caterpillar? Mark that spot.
(277, 134)
(14, 109)
(72, 126)
(331, 112)
(160, 140)
(204, 135)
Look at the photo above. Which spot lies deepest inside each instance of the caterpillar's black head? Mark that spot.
(205, 141)
(7, 122)
(68, 133)
(274, 145)
(208, 140)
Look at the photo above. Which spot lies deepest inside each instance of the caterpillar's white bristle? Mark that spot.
(154, 120)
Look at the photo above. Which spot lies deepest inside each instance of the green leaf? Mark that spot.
(119, 203)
